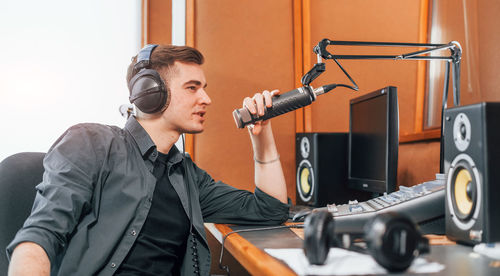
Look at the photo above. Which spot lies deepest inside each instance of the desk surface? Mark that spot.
(248, 247)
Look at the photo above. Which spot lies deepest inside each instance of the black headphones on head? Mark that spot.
(148, 92)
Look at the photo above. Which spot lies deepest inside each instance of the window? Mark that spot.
(63, 63)
(452, 20)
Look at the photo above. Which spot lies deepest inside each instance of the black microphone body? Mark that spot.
(282, 104)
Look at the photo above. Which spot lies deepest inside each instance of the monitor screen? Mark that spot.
(374, 141)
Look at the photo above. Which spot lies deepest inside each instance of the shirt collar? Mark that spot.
(175, 156)
(146, 144)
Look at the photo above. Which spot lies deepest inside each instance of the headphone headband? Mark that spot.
(144, 58)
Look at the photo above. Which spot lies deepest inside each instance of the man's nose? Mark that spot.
(205, 99)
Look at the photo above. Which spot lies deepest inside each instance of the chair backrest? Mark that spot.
(19, 174)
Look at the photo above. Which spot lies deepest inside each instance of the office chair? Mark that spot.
(19, 174)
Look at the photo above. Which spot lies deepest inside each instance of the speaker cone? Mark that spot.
(464, 191)
(305, 180)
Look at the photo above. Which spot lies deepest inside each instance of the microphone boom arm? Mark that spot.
(454, 57)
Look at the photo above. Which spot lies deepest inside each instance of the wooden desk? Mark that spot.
(253, 259)
(458, 259)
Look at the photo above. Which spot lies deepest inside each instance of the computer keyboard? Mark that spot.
(424, 203)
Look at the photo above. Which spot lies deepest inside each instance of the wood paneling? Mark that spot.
(298, 57)
(387, 20)
(358, 20)
(488, 53)
(421, 67)
(418, 162)
(190, 19)
(433, 134)
(306, 55)
(255, 45)
(159, 21)
(248, 47)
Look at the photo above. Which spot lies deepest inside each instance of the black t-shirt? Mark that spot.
(161, 244)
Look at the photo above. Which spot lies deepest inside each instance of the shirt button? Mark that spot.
(133, 233)
(113, 265)
(154, 154)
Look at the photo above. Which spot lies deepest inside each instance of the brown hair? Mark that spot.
(164, 57)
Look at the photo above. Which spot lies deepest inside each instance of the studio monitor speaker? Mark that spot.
(472, 167)
(322, 163)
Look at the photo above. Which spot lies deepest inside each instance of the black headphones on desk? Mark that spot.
(148, 92)
(392, 239)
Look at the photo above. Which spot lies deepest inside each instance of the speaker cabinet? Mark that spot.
(322, 163)
(472, 167)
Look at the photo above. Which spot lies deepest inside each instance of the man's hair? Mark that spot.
(164, 57)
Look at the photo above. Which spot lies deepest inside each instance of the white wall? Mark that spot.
(62, 63)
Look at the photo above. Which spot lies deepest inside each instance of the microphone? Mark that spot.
(283, 103)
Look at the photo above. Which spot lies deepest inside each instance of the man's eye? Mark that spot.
(193, 88)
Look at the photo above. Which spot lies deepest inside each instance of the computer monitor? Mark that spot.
(374, 141)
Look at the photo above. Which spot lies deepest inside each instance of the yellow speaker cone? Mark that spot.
(304, 180)
(463, 201)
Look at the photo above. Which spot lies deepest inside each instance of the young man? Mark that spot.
(126, 201)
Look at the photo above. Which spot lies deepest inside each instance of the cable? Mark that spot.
(225, 267)
(329, 87)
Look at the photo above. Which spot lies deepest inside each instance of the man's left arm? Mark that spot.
(268, 171)
(221, 203)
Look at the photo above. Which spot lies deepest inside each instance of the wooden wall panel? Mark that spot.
(387, 20)
(248, 47)
(358, 20)
(489, 54)
(159, 21)
(251, 46)
(418, 162)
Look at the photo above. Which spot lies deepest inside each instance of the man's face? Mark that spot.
(189, 100)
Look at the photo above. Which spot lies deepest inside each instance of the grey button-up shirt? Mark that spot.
(97, 191)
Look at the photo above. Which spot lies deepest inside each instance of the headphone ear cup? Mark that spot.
(392, 240)
(317, 236)
(148, 92)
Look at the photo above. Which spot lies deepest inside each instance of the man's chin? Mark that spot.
(193, 131)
